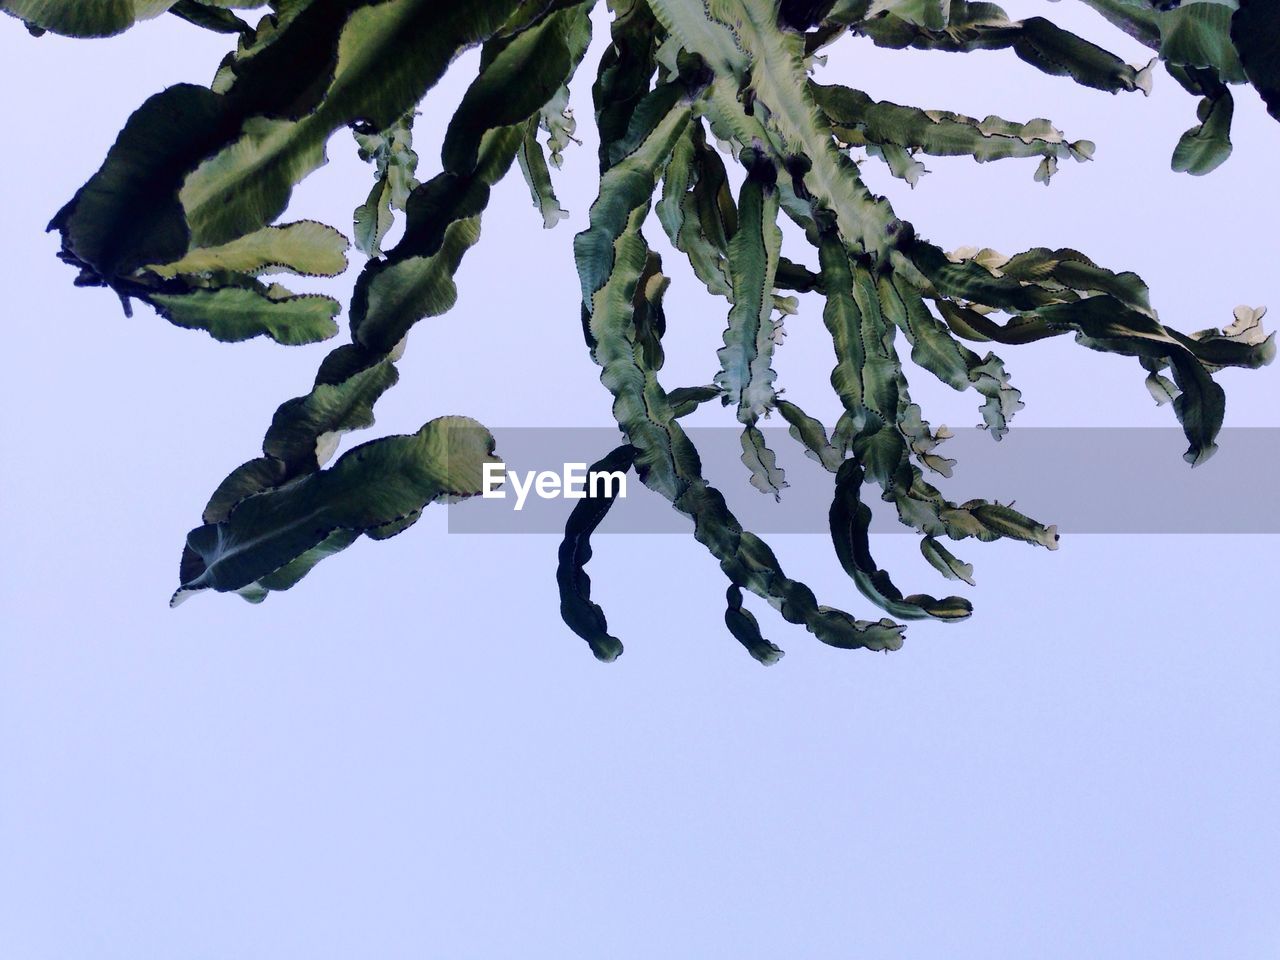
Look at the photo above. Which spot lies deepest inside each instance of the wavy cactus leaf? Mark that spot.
(1162, 389)
(945, 562)
(582, 615)
(371, 486)
(1003, 399)
(850, 526)
(232, 314)
(626, 187)
(882, 380)
(1206, 146)
(1037, 41)
(1138, 18)
(742, 623)
(611, 257)
(746, 372)
(811, 434)
(858, 120)
(128, 214)
(657, 103)
(922, 507)
(1199, 35)
(1211, 348)
(766, 475)
(998, 520)
(936, 350)
(305, 248)
(78, 18)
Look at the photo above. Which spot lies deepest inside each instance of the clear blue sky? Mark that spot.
(408, 756)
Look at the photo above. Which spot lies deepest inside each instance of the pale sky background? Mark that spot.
(408, 756)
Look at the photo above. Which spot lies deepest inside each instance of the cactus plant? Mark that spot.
(183, 213)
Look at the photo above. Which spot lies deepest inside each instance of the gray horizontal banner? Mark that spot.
(1086, 480)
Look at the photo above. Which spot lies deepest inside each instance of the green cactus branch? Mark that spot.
(182, 216)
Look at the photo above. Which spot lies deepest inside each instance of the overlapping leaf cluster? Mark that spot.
(183, 216)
